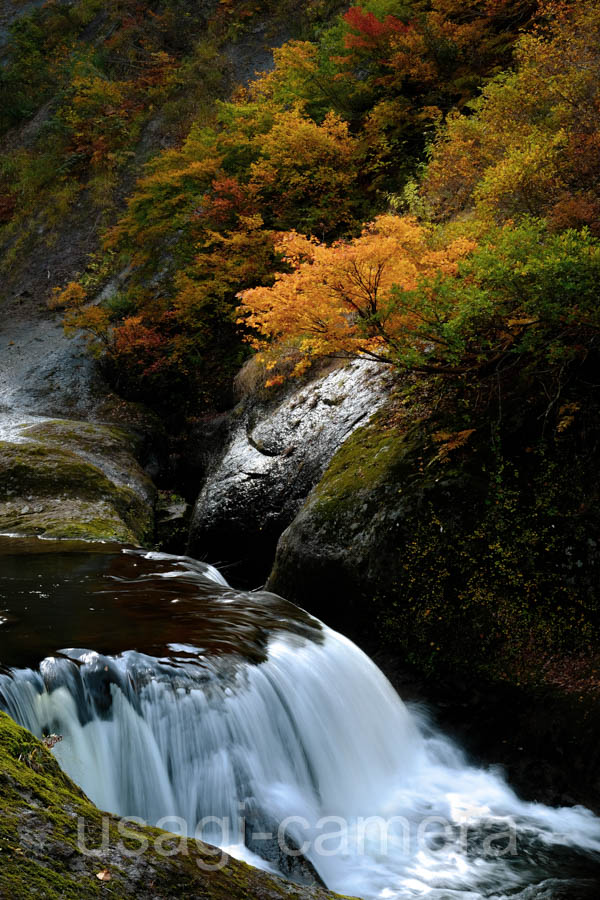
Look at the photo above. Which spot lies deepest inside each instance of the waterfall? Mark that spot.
(311, 739)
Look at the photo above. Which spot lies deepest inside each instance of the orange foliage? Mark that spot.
(338, 299)
(69, 297)
(139, 346)
(533, 143)
(306, 171)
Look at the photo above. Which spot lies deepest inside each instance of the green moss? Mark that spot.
(68, 519)
(373, 456)
(460, 546)
(41, 856)
(44, 469)
(84, 436)
(75, 480)
(92, 529)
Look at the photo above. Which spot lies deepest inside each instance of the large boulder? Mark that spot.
(471, 558)
(466, 550)
(275, 453)
(68, 479)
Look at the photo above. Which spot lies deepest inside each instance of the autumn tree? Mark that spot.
(306, 173)
(532, 144)
(314, 147)
(412, 297)
(411, 63)
(204, 214)
(345, 299)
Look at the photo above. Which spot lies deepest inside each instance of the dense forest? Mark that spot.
(470, 128)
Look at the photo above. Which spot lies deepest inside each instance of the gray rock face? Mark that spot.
(276, 454)
(43, 373)
(263, 837)
(75, 476)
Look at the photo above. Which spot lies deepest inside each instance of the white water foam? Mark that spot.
(315, 732)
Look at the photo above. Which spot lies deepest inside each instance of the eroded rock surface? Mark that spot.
(275, 455)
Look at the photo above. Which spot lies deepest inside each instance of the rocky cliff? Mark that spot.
(467, 552)
(274, 453)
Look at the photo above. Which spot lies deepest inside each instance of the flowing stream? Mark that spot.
(240, 718)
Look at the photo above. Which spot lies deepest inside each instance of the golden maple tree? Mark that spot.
(345, 299)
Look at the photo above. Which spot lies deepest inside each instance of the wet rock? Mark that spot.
(265, 837)
(54, 842)
(276, 452)
(173, 515)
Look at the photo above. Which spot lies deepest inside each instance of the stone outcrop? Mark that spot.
(69, 479)
(472, 564)
(276, 452)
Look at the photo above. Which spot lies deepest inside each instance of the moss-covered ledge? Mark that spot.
(468, 548)
(40, 856)
(69, 479)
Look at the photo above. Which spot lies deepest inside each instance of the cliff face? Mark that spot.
(68, 477)
(42, 854)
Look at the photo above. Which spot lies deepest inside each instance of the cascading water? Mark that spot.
(243, 715)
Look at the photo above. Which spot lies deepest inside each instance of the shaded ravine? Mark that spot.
(237, 711)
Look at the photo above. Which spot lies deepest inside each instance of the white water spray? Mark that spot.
(313, 737)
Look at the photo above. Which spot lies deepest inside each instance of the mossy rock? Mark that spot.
(66, 518)
(42, 814)
(465, 555)
(68, 479)
(462, 548)
(85, 436)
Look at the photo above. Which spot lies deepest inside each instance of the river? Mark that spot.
(239, 718)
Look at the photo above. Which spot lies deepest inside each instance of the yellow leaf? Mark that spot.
(521, 323)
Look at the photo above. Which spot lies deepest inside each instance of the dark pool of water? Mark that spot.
(75, 594)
